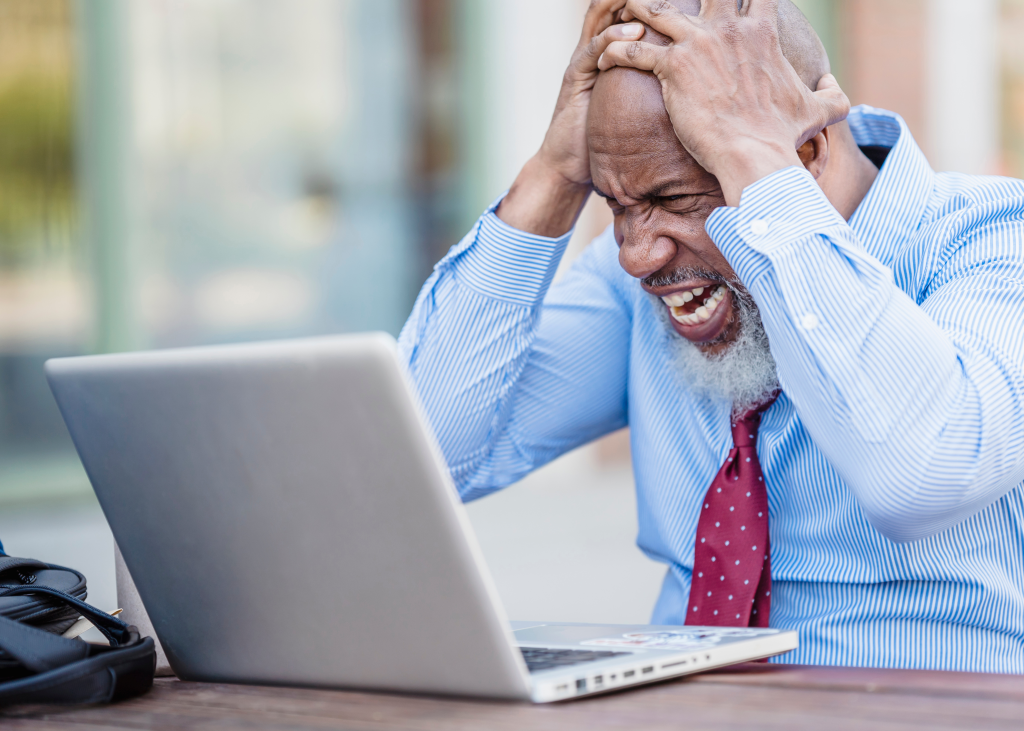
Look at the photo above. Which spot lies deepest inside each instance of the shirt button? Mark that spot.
(809, 321)
(759, 227)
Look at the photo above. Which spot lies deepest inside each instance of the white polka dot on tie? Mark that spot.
(766, 557)
(737, 563)
(732, 508)
(743, 527)
(737, 616)
(755, 611)
(713, 558)
(730, 597)
(746, 581)
(719, 489)
(751, 436)
(709, 593)
(695, 609)
(700, 575)
(722, 578)
(727, 543)
(748, 459)
(760, 515)
(767, 593)
(706, 505)
(758, 479)
(716, 612)
(717, 524)
(730, 459)
(748, 494)
(701, 540)
(753, 548)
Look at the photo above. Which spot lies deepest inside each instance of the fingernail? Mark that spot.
(632, 29)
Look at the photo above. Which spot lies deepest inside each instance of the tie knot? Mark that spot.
(744, 428)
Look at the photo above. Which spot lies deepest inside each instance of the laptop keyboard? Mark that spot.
(545, 658)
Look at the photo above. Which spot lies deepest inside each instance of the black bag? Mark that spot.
(38, 602)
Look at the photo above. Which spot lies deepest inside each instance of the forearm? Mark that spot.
(891, 395)
(467, 339)
(542, 202)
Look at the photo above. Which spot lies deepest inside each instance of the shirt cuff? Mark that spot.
(505, 263)
(773, 213)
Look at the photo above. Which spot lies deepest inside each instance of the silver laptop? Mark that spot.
(289, 520)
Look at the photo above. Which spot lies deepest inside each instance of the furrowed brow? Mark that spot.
(656, 192)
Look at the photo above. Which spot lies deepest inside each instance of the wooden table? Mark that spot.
(743, 697)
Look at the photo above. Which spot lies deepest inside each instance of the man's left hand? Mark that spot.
(736, 104)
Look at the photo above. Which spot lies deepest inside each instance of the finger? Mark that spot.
(587, 60)
(833, 104)
(761, 9)
(631, 54)
(661, 15)
(600, 15)
(722, 8)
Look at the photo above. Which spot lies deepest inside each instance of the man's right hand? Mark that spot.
(552, 187)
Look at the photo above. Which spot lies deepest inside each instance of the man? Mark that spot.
(794, 314)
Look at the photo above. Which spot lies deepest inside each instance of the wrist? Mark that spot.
(542, 201)
(746, 164)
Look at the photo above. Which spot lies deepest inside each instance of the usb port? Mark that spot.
(648, 669)
(581, 685)
(629, 673)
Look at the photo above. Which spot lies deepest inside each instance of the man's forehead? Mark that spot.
(641, 176)
(633, 147)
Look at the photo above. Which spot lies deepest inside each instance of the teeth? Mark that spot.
(703, 313)
(681, 317)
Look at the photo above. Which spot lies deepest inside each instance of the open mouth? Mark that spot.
(700, 314)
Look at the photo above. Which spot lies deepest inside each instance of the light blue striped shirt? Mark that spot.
(894, 457)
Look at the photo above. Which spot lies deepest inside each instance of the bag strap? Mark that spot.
(112, 628)
(37, 649)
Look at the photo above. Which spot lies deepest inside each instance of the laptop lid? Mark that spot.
(287, 516)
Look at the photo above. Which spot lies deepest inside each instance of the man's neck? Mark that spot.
(849, 175)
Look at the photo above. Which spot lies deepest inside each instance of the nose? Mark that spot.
(643, 255)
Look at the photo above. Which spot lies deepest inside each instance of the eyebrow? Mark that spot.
(653, 193)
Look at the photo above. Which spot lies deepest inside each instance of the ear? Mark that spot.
(814, 153)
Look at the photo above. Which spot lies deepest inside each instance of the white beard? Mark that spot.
(744, 373)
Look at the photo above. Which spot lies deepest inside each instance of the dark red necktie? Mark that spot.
(732, 577)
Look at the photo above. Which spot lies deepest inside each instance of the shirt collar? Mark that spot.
(895, 205)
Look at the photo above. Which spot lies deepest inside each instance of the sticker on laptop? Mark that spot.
(680, 639)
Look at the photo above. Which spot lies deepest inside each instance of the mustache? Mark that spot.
(683, 274)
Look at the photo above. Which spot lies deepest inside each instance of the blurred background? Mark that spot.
(180, 172)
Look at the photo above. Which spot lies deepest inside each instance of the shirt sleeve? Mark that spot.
(917, 404)
(513, 372)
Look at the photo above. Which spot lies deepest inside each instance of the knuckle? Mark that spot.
(660, 7)
(633, 50)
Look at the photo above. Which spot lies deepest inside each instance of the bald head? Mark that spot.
(618, 87)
